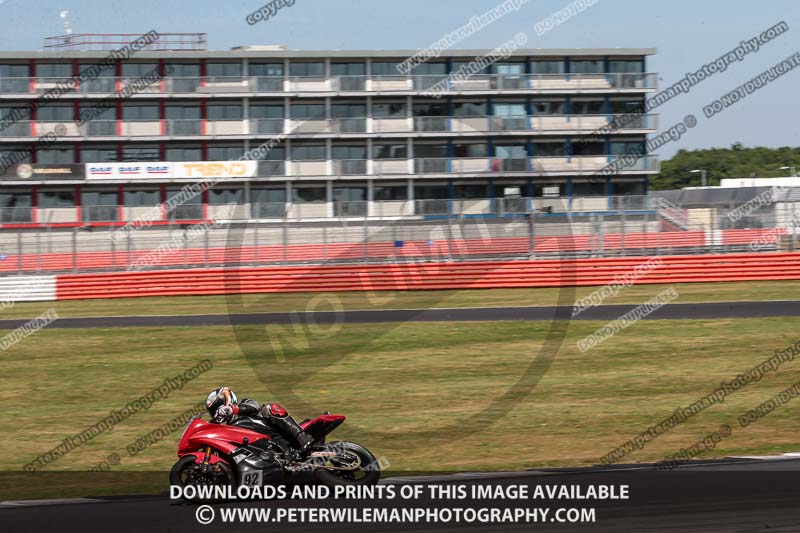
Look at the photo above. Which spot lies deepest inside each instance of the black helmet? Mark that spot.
(219, 397)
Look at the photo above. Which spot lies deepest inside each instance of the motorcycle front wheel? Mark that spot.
(342, 472)
(187, 472)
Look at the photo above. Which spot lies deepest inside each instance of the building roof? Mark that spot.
(261, 52)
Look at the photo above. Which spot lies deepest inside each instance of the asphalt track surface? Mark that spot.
(782, 308)
(719, 496)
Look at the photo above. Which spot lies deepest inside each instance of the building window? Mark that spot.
(628, 148)
(9, 200)
(21, 71)
(430, 69)
(140, 113)
(588, 66)
(470, 191)
(187, 112)
(348, 69)
(471, 150)
(430, 151)
(62, 71)
(469, 109)
(588, 107)
(624, 107)
(225, 196)
(266, 111)
(390, 192)
(265, 196)
(510, 109)
(55, 113)
(140, 153)
(626, 67)
(98, 154)
(548, 108)
(588, 189)
(547, 67)
(316, 70)
(349, 194)
(98, 198)
(225, 153)
(12, 155)
(550, 149)
(509, 69)
(142, 198)
(185, 70)
(385, 68)
(389, 110)
(390, 151)
(309, 195)
(137, 70)
(56, 199)
(308, 153)
(308, 111)
(99, 113)
(430, 110)
(431, 192)
(265, 69)
(224, 70)
(225, 112)
(349, 152)
(56, 157)
(186, 153)
(348, 111)
(588, 149)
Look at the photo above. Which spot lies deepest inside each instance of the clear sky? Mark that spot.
(687, 34)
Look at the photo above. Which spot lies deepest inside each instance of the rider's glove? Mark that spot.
(224, 412)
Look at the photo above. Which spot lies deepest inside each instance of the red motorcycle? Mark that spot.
(250, 452)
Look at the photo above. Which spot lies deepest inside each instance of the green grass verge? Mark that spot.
(394, 380)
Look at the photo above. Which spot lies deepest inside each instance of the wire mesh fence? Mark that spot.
(405, 231)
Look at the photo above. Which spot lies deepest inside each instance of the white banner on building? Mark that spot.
(129, 171)
(198, 170)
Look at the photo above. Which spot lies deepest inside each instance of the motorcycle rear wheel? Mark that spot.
(368, 472)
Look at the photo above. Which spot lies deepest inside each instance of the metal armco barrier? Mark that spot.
(428, 276)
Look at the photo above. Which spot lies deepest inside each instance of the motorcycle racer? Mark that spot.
(223, 406)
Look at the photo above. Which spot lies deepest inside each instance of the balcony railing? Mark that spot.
(550, 124)
(254, 85)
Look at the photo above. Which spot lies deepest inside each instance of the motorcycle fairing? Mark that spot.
(322, 425)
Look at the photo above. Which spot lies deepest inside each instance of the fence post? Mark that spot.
(38, 252)
(622, 231)
(257, 257)
(449, 235)
(113, 249)
(185, 236)
(324, 243)
(531, 234)
(205, 239)
(75, 250)
(19, 253)
(366, 240)
(128, 250)
(285, 238)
